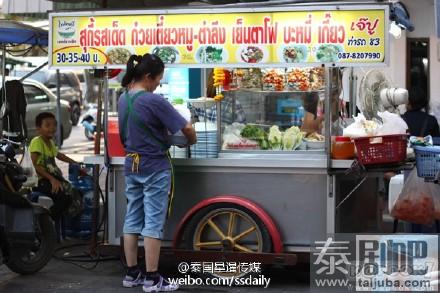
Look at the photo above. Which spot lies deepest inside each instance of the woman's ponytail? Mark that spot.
(131, 67)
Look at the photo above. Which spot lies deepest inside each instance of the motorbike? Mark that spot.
(27, 232)
(88, 121)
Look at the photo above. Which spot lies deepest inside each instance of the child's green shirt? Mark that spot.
(47, 153)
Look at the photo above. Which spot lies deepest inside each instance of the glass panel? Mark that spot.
(34, 95)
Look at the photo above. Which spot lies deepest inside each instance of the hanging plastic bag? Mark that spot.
(415, 203)
(29, 169)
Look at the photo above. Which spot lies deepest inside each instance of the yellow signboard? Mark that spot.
(245, 39)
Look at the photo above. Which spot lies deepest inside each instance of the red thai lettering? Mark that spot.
(265, 34)
(102, 37)
(300, 34)
(214, 34)
(330, 32)
(161, 35)
(364, 23)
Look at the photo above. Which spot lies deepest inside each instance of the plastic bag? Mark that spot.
(233, 140)
(392, 124)
(179, 138)
(415, 203)
(29, 169)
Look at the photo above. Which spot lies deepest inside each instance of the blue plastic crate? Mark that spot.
(436, 140)
(427, 161)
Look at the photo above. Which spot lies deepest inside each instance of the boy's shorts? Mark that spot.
(147, 204)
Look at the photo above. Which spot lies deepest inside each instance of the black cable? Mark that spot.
(19, 52)
(42, 49)
(76, 259)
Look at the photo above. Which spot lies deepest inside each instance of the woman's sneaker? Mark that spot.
(161, 285)
(130, 282)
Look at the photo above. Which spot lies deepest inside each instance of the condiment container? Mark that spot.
(342, 148)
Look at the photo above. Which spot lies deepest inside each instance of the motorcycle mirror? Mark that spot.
(9, 151)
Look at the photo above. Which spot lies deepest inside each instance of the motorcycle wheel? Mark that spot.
(90, 135)
(29, 261)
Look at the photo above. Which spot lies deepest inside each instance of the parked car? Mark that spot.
(70, 87)
(40, 99)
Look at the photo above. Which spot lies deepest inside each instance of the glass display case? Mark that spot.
(285, 112)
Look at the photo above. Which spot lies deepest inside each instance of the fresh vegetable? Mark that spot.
(275, 138)
(256, 133)
(292, 138)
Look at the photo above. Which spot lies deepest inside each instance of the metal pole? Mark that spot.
(97, 149)
(352, 92)
(33, 71)
(328, 116)
(114, 99)
(96, 187)
(3, 97)
(59, 134)
(106, 109)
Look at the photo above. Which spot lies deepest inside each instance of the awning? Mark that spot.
(17, 33)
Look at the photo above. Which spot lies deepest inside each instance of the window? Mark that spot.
(34, 95)
(64, 80)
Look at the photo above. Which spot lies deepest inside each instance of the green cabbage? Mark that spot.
(275, 138)
(292, 138)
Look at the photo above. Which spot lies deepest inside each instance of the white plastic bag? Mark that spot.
(28, 169)
(392, 124)
(179, 138)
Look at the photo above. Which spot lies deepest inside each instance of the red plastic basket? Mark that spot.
(387, 149)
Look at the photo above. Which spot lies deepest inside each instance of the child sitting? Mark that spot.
(50, 178)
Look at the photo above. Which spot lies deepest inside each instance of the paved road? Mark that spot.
(77, 145)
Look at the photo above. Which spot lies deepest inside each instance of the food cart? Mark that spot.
(230, 198)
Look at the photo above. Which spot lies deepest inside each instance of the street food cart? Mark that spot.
(244, 198)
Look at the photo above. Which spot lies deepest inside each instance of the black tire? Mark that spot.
(194, 226)
(89, 135)
(25, 261)
(75, 114)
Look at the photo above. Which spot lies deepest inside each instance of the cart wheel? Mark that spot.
(227, 227)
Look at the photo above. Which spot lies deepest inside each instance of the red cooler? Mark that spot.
(115, 148)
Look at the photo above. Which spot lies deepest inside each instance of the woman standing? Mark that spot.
(420, 123)
(144, 121)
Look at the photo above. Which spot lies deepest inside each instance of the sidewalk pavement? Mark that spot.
(61, 276)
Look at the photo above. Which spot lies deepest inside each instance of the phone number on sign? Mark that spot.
(73, 57)
(374, 56)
